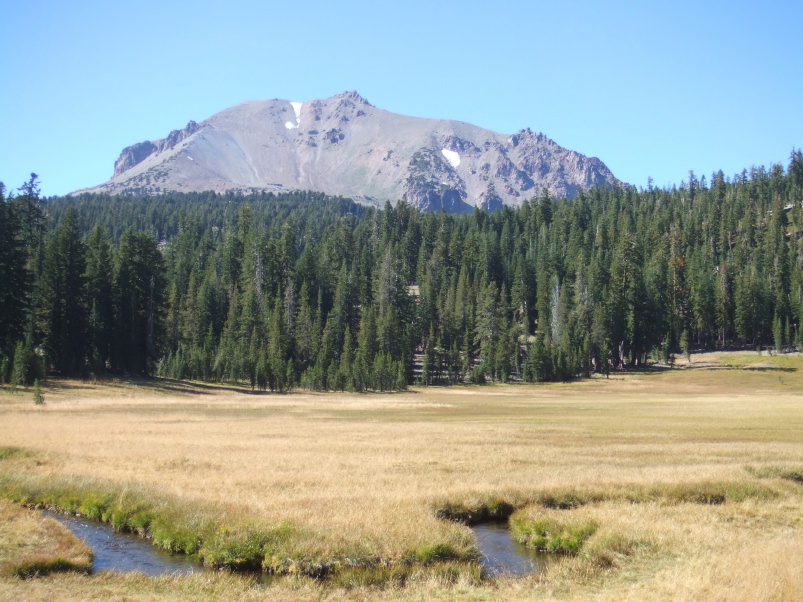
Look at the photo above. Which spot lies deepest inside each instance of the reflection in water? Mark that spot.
(502, 555)
(124, 553)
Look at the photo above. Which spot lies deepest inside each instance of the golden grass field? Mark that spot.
(33, 545)
(365, 476)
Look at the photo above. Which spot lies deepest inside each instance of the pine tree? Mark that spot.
(28, 365)
(347, 362)
(63, 312)
(778, 335)
(15, 278)
(489, 327)
(139, 286)
(99, 297)
(31, 208)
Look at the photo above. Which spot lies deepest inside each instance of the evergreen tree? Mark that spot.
(63, 311)
(99, 298)
(139, 298)
(31, 209)
(14, 276)
(28, 364)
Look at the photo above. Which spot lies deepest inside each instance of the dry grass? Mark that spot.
(32, 545)
(366, 474)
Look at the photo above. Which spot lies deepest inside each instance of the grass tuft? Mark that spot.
(551, 531)
(495, 510)
(9, 452)
(430, 553)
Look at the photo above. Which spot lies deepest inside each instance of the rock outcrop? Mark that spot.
(135, 154)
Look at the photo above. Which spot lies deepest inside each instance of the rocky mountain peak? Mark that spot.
(352, 96)
(345, 146)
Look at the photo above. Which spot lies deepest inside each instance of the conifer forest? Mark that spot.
(279, 291)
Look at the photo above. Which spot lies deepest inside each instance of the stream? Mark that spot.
(502, 555)
(126, 553)
(123, 552)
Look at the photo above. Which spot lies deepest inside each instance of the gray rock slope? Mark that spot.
(345, 146)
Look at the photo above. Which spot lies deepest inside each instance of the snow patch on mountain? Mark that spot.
(297, 110)
(452, 157)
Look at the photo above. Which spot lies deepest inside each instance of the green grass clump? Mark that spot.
(8, 452)
(549, 532)
(255, 547)
(95, 505)
(180, 532)
(493, 510)
(430, 553)
(242, 551)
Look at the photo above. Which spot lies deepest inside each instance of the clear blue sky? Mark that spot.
(651, 88)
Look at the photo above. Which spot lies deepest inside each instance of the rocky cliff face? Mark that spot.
(135, 154)
(345, 146)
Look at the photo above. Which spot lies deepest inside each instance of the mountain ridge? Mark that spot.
(345, 146)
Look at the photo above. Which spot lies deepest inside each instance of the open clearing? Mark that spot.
(366, 475)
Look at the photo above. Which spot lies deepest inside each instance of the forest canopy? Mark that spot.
(300, 289)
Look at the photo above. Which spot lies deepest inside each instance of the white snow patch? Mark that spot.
(297, 110)
(452, 157)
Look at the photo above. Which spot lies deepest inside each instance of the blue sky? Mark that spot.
(654, 89)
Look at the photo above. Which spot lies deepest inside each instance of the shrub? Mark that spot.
(38, 398)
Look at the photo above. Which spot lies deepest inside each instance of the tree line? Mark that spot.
(303, 290)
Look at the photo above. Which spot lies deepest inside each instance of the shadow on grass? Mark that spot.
(187, 387)
(153, 383)
(645, 369)
(657, 369)
(698, 361)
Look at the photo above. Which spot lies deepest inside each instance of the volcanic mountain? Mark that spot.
(345, 146)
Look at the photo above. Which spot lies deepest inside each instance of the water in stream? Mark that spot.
(502, 555)
(122, 552)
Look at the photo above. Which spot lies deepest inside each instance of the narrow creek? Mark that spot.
(125, 553)
(503, 555)
(122, 552)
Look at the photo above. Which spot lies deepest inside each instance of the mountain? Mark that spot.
(345, 146)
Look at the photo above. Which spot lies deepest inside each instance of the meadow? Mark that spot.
(681, 484)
